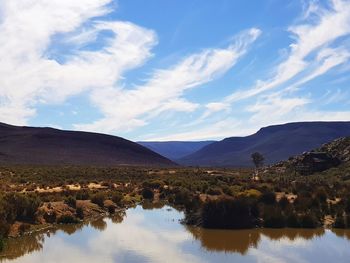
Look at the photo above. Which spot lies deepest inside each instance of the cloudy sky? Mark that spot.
(173, 70)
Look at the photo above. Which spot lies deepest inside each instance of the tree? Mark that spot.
(258, 159)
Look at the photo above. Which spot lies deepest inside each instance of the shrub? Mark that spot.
(98, 199)
(182, 196)
(67, 219)
(339, 222)
(347, 205)
(24, 227)
(292, 221)
(71, 201)
(80, 212)
(284, 202)
(274, 219)
(83, 195)
(117, 197)
(147, 193)
(309, 221)
(2, 243)
(20, 207)
(321, 195)
(214, 191)
(268, 198)
(228, 214)
(155, 184)
(251, 193)
(111, 209)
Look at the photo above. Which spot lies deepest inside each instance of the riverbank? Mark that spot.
(32, 197)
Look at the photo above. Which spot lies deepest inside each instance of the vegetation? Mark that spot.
(2, 243)
(215, 198)
(67, 219)
(147, 193)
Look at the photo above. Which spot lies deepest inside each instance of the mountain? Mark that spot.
(175, 150)
(48, 146)
(276, 143)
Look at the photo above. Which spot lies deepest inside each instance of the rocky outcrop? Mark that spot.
(312, 162)
(329, 155)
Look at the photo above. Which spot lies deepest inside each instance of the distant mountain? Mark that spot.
(175, 150)
(276, 143)
(48, 146)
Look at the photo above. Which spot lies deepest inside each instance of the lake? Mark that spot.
(155, 235)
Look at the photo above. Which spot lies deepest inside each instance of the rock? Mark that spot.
(312, 162)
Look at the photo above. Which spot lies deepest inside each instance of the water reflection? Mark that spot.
(155, 235)
(99, 224)
(16, 248)
(240, 241)
(342, 233)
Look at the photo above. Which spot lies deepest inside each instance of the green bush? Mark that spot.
(21, 207)
(214, 191)
(71, 201)
(339, 222)
(155, 184)
(23, 228)
(111, 209)
(83, 195)
(293, 221)
(309, 221)
(283, 202)
(268, 198)
(147, 193)
(117, 197)
(228, 214)
(80, 212)
(98, 199)
(2, 243)
(274, 219)
(67, 219)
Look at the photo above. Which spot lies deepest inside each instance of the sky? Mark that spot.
(173, 70)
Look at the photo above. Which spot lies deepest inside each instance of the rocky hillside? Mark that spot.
(339, 148)
(329, 155)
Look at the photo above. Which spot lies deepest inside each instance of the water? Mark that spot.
(155, 235)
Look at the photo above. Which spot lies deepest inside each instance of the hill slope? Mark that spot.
(175, 150)
(276, 143)
(332, 158)
(47, 146)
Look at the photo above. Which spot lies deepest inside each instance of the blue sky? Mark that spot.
(173, 70)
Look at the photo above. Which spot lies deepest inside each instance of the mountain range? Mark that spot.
(276, 143)
(48, 146)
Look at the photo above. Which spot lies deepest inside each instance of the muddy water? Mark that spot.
(155, 235)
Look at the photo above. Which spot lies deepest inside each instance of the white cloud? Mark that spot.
(29, 77)
(309, 38)
(127, 109)
(220, 129)
(313, 53)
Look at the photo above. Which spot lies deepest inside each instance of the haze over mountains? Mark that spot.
(276, 143)
(47, 146)
(175, 150)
